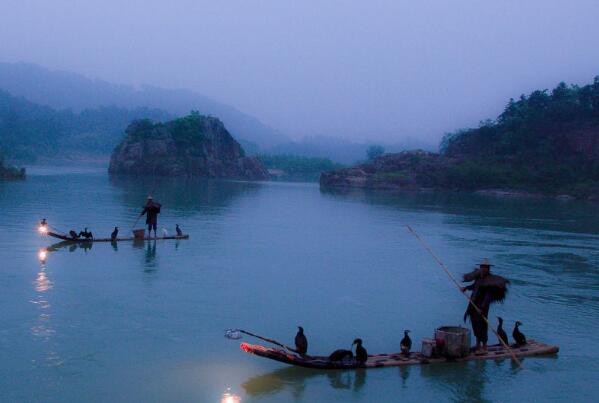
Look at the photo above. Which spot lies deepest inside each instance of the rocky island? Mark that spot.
(10, 172)
(194, 145)
(545, 143)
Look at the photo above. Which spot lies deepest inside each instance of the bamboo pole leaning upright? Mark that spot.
(459, 287)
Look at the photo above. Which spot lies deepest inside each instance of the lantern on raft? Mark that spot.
(43, 228)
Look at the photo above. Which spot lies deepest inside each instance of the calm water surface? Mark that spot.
(146, 322)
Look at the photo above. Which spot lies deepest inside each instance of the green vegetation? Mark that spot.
(296, 168)
(374, 151)
(546, 141)
(9, 172)
(29, 131)
(188, 132)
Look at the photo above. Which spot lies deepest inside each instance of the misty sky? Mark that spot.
(376, 70)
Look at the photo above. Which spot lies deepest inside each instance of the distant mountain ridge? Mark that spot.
(67, 90)
(29, 130)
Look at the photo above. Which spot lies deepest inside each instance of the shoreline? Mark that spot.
(494, 193)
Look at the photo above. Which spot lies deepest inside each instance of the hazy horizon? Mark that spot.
(377, 72)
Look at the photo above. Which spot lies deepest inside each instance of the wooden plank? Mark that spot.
(69, 239)
(532, 348)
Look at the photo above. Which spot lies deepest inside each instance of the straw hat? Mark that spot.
(150, 197)
(485, 262)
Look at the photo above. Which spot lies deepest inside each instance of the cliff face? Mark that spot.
(195, 145)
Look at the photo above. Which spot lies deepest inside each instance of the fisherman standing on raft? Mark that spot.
(151, 209)
(486, 289)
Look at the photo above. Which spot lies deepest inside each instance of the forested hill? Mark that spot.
(29, 130)
(67, 90)
(545, 142)
(548, 140)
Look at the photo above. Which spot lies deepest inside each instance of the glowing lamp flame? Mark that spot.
(245, 347)
(42, 255)
(43, 229)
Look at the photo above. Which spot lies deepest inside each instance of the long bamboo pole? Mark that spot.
(425, 245)
(273, 341)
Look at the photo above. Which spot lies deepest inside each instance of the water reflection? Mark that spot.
(404, 374)
(70, 246)
(188, 195)
(43, 329)
(42, 283)
(42, 255)
(476, 209)
(465, 382)
(294, 379)
(229, 397)
(150, 257)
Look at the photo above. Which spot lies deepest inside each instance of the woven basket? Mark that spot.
(139, 233)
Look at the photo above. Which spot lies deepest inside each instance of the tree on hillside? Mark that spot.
(375, 151)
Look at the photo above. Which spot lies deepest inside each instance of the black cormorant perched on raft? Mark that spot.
(519, 337)
(341, 354)
(361, 353)
(406, 343)
(178, 230)
(486, 289)
(502, 334)
(301, 342)
(114, 234)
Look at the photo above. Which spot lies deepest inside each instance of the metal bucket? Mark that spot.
(453, 341)
(139, 233)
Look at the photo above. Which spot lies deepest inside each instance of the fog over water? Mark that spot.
(377, 70)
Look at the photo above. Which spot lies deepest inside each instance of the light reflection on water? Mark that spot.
(144, 322)
(42, 283)
(229, 397)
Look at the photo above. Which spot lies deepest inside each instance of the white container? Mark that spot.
(428, 347)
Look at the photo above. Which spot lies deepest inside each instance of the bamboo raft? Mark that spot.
(532, 348)
(84, 240)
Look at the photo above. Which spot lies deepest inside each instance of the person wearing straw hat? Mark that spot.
(486, 289)
(151, 210)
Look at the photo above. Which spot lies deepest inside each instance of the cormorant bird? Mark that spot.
(301, 342)
(519, 337)
(340, 355)
(361, 353)
(502, 334)
(179, 232)
(406, 343)
(86, 234)
(114, 233)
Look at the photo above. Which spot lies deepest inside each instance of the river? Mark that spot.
(146, 322)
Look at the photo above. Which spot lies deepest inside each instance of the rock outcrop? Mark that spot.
(194, 145)
(408, 170)
(9, 172)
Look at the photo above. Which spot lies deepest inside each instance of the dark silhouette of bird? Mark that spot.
(501, 333)
(114, 233)
(301, 342)
(519, 337)
(361, 353)
(86, 234)
(178, 230)
(340, 355)
(406, 343)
